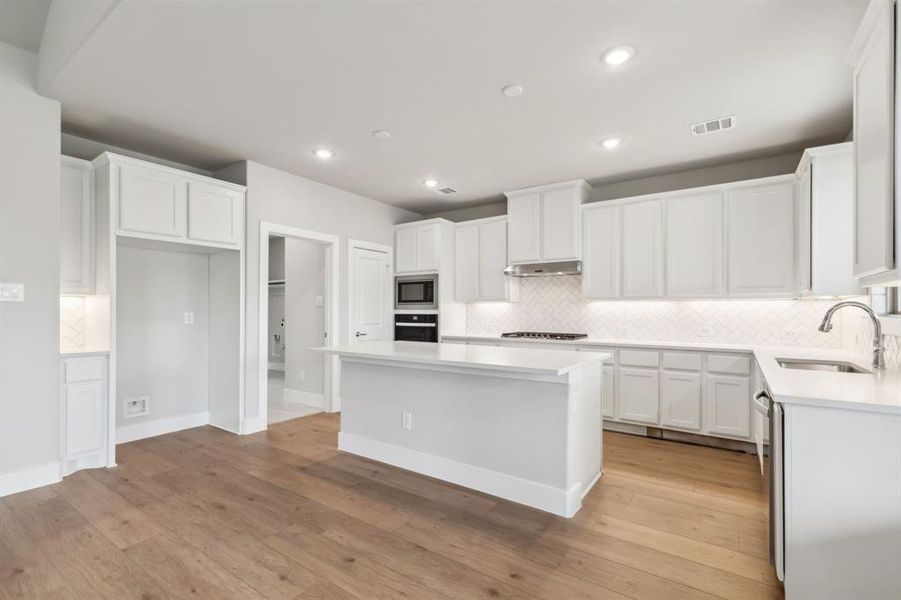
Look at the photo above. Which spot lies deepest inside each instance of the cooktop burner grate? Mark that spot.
(545, 335)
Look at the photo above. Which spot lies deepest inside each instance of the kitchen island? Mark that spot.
(522, 424)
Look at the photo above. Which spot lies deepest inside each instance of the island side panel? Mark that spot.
(585, 445)
(504, 435)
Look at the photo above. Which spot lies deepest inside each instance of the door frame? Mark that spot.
(353, 244)
(332, 286)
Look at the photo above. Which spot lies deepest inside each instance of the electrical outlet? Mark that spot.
(407, 420)
(136, 407)
(189, 318)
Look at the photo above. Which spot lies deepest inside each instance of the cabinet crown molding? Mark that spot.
(550, 186)
(875, 11)
(436, 221)
(117, 159)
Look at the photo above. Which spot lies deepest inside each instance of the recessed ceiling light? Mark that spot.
(430, 183)
(619, 55)
(512, 91)
(323, 153)
(381, 134)
(611, 143)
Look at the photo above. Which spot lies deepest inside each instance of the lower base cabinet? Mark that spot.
(608, 408)
(639, 398)
(84, 426)
(727, 405)
(680, 400)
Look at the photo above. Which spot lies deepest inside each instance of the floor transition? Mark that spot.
(282, 514)
(279, 408)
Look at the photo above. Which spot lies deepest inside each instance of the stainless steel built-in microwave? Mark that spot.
(416, 292)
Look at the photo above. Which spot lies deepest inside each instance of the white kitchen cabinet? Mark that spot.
(680, 400)
(544, 223)
(727, 399)
(480, 251)
(639, 395)
(641, 235)
(825, 234)
(601, 252)
(77, 249)
(215, 214)
(761, 240)
(694, 245)
(873, 57)
(418, 246)
(608, 405)
(152, 201)
(83, 413)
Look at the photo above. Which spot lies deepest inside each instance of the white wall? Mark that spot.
(279, 197)
(29, 254)
(304, 321)
(158, 354)
(87, 149)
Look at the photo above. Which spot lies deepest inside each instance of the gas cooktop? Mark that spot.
(544, 335)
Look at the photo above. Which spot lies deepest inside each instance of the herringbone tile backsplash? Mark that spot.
(556, 304)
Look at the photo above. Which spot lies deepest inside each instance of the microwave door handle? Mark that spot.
(415, 324)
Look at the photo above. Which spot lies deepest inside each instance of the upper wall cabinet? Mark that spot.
(873, 58)
(826, 221)
(601, 251)
(544, 223)
(419, 246)
(76, 226)
(761, 240)
(640, 241)
(694, 245)
(480, 256)
(160, 203)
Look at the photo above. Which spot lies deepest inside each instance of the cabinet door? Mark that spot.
(466, 263)
(152, 201)
(694, 246)
(728, 400)
(405, 250)
(638, 395)
(761, 240)
(804, 237)
(641, 250)
(85, 422)
(427, 240)
(493, 284)
(560, 215)
(680, 400)
(601, 258)
(608, 407)
(214, 214)
(76, 227)
(523, 231)
(874, 81)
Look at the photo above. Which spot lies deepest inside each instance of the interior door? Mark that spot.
(370, 299)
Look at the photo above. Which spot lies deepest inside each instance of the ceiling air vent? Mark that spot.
(712, 126)
(446, 190)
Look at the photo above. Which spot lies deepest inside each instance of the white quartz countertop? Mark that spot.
(878, 391)
(67, 352)
(519, 360)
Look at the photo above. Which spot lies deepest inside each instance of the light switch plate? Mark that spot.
(189, 318)
(12, 292)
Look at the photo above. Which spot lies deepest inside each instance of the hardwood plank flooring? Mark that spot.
(282, 515)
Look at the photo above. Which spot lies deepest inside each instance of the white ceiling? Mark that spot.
(22, 22)
(208, 83)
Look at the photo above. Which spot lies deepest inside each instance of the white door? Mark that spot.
(493, 283)
(214, 214)
(600, 240)
(560, 224)
(728, 405)
(761, 240)
(641, 250)
(405, 250)
(639, 395)
(694, 246)
(466, 263)
(370, 311)
(523, 232)
(680, 400)
(152, 201)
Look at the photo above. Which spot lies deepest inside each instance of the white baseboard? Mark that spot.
(28, 479)
(253, 425)
(297, 397)
(146, 429)
(537, 495)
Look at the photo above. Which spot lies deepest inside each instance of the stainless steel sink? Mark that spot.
(833, 366)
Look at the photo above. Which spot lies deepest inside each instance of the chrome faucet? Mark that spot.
(878, 340)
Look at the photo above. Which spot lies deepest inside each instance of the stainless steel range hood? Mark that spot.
(548, 269)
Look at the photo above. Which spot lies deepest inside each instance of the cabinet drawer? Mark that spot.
(89, 368)
(639, 358)
(681, 362)
(734, 365)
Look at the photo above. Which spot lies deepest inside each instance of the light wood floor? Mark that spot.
(282, 514)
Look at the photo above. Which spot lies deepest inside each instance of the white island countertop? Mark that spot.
(518, 360)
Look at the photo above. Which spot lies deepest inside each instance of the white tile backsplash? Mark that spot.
(556, 304)
(72, 322)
